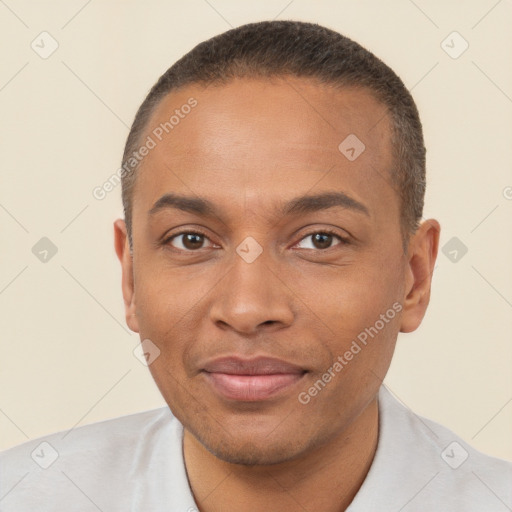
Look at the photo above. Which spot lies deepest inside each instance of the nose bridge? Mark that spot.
(250, 294)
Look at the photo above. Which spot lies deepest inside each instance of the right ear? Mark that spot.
(122, 247)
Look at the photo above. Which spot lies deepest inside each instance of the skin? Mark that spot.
(250, 146)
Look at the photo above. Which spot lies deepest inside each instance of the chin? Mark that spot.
(250, 454)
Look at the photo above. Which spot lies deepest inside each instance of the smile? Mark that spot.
(251, 380)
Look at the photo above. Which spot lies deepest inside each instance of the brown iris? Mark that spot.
(322, 240)
(192, 240)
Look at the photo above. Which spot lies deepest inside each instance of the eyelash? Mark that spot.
(343, 241)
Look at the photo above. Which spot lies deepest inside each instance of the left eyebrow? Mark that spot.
(314, 203)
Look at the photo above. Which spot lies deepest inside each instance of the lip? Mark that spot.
(251, 380)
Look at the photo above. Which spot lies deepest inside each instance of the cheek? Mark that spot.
(182, 396)
(171, 307)
(361, 295)
(164, 296)
(161, 314)
(363, 311)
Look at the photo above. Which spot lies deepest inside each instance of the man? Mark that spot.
(272, 250)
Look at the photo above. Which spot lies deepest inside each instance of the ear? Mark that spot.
(421, 257)
(122, 247)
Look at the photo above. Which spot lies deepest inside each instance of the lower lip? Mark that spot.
(252, 388)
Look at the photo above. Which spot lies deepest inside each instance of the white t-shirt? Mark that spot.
(135, 463)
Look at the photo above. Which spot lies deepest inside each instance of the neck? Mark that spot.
(326, 478)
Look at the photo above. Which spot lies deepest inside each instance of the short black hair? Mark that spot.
(292, 48)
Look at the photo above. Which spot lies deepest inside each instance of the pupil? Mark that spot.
(192, 241)
(325, 243)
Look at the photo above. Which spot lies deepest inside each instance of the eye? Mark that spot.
(322, 240)
(187, 240)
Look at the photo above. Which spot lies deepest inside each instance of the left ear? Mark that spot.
(422, 256)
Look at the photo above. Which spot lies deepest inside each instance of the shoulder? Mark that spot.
(425, 465)
(81, 441)
(103, 455)
(467, 479)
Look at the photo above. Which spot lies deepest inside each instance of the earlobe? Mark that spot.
(422, 257)
(125, 257)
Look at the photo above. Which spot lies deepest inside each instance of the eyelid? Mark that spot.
(344, 240)
(191, 231)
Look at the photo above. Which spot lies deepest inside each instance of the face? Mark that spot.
(267, 263)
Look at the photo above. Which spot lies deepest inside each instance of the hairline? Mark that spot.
(340, 84)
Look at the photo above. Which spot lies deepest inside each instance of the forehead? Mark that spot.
(269, 139)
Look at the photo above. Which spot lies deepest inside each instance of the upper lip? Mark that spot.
(255, 366)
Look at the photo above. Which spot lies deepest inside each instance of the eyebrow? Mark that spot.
(299, 205)
(313, 203)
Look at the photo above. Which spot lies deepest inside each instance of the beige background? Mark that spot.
(66, 354)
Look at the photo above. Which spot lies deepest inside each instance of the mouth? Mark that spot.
(252, 380)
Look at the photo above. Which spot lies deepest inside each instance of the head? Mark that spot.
(275, 213)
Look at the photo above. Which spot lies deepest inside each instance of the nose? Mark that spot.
(252, 297)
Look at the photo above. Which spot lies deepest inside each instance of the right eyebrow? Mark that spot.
(196, 205)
